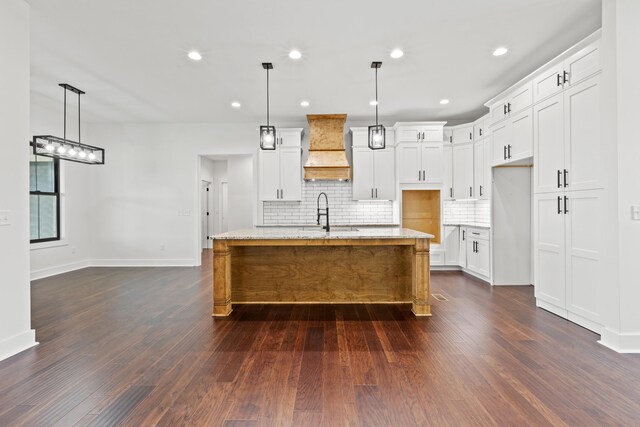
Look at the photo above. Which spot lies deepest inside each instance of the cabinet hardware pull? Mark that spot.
(509, 151)
(559, 176)
(450, 138)
(566, 199)
(451, 192)
(419, 178)
(565, 173)
(480, 131)
(559, 208)
(372, 193)
(504, 109)
(282, 193)
(565, 77)
(470, 135)
(481, 191)
(504, 154)
(463, 234)
(508, 107)
(423, 136)
(376, 193)
(470, 191)
(558, 81)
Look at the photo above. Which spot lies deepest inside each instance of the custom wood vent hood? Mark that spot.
(327, 158)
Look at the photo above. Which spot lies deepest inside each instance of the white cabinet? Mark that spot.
(478, 256)
(280, 170)
(420, 162)
(478, 170)
(363, 175)
(451, 240)
(447, 180)
(519, 99)
(462, 133)
(567, 267)
(512, 139)
(462, 254)
(419, 132)
(463, 171)
(571, 71)
(479, 131)
(373, 174)
(568, 139)
(488, 177)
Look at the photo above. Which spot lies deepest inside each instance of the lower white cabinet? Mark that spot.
(567, 267)
(373, 174)
(469, 248)
(451, 240)
(463, 171)
(478, 256)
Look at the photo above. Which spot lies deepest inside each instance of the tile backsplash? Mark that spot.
(343, 210)
(464, 211)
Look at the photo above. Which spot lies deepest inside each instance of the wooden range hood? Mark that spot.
(327, 158)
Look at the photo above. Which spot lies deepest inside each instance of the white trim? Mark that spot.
(47, 245)
(144, 263)
(621, 343)
(17, 343)
(58, 269)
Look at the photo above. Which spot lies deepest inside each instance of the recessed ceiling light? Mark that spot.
(397, 53)
(295, 54)
(194, 55)
(500, 51)
(373, 103)
(236, 104)
(444, 101)
(304, 103)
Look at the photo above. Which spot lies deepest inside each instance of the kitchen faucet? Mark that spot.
(326, 210)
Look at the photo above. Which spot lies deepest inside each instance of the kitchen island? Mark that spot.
(381, 265)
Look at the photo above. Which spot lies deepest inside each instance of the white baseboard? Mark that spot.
(58, 269)
(17, 343)
(445, 268)
(620, 342)
(142, 263)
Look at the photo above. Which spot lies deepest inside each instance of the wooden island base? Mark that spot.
(321, 271)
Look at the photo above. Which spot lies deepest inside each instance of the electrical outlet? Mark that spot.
(635, 212)
(5, 218)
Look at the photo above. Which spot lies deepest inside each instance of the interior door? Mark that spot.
(432, 162)
(290, 173)
(410, 165)
(548, 133)
(549, 249)
(363, 174)
(269, 174)
(384, 174)
(522, 136)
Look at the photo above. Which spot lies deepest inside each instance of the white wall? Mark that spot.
(242, 193)
(73, 250)
(15, 310)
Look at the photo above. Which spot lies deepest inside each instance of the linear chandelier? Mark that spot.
(63, 148)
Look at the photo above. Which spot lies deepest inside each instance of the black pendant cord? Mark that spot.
(267, 97)
(376, 97)
(79, 141)
(64, 131)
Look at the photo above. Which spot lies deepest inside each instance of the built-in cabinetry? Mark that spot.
(462, 133)
(511, 104)
(469, 248)
(419, 152)
(481, 161)
(463, 171)
(512, 138)
(373, 170)
(279, 170)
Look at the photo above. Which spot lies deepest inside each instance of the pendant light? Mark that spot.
(267, 133)
(377, 134)
(63, 148)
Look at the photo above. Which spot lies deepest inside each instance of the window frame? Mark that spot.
(57, 193)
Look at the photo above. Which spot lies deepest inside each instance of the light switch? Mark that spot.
(5, 218)
(635, 212)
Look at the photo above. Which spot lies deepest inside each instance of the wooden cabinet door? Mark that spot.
(549, 82)
(548, 136)
(409, 163)
(549, 250)
(290, 173)
(363, 174)
(583, 225)
(269, 174)
(432, 162)
(447, 180)
(478, 169)
(500, 138)
(583, 136)
(522, 134)
(463, 171)
(384, 174)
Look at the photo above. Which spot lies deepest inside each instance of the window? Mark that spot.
(44, 190)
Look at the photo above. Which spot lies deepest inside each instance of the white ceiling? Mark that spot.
(130, 55)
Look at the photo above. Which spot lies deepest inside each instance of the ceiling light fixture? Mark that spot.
(397, 53)
(444, 101)
(500, 51)
(267, 133)
(304, 103)
(377, 134)
(295, 54)
(63, 148)
(236, 104)
(194, 55)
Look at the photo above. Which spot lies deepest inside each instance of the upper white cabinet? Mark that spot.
(462, 133)
(447, 180)
(512, 139)
(419, 152)
(516, 101)
(280, 170)
(373, 174)
(479, 131)
(463, 171)
(568, 139)
(419, 132)
(571, 71)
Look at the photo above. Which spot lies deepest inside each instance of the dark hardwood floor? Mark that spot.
(138, 347)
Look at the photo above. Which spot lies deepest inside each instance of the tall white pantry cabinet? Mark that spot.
(567, 186)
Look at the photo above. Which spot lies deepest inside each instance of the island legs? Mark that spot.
(421, 279)
(221, 278)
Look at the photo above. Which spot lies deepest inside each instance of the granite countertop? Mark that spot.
(468, 224)
(316, 225)
(367, 233)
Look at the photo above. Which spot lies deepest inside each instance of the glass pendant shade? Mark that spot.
(377, 137)
(268, 137)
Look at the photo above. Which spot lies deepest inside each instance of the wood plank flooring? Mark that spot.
(138, 347)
